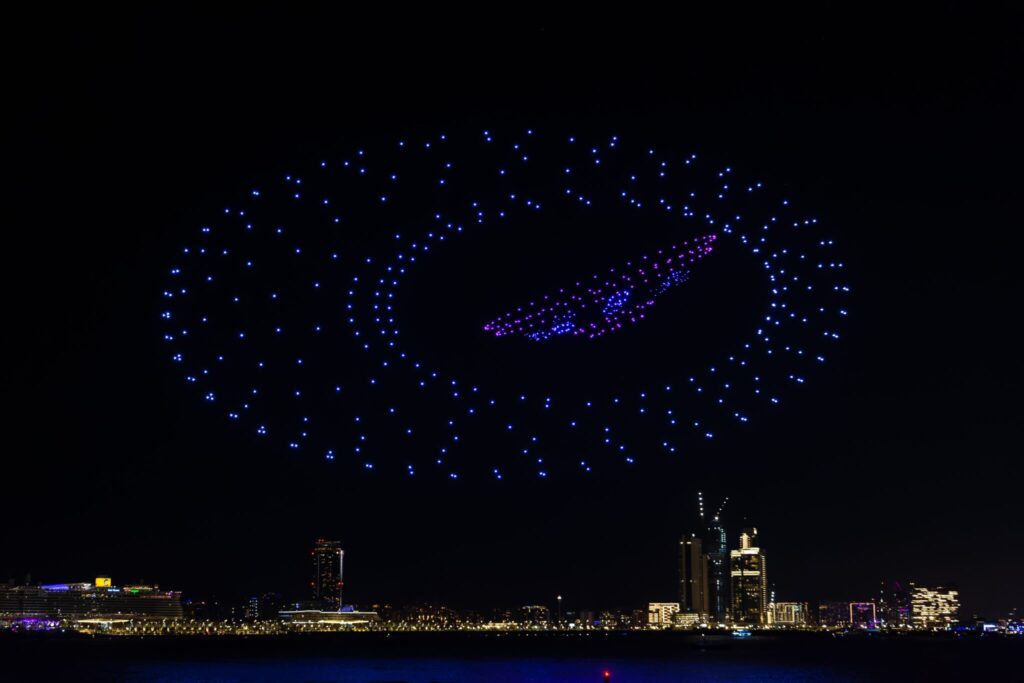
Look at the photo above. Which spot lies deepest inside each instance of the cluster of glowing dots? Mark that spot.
(602, 304)
(282, 312)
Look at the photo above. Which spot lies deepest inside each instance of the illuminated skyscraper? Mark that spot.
(749, 581)
(693, 576)
(327, 572)
(717, 552)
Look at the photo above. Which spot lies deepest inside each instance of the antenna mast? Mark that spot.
(341, 575)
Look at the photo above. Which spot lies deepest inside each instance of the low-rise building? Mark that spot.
(96, 602)
(661, 614)
(788, 614)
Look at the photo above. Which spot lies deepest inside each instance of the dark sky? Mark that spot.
(903, 131)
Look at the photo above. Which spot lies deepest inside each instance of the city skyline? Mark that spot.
(690, 567)
(102, 605)
(750, 602)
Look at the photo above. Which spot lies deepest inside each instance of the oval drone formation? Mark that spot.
(286, 312)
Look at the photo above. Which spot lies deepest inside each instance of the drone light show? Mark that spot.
(502, 304)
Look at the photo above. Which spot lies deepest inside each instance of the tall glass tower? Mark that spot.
(693, 577)
(749, 581)
(717, 552)
(327, 565)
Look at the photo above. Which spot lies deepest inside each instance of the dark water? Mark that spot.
(511, 660)
(461, 671)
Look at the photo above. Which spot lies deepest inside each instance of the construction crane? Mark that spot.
(718, 513)
(700, 507)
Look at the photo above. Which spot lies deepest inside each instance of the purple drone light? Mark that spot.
(604, 303)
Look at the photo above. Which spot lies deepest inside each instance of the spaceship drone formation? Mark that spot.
(286, 311)
(610, 301)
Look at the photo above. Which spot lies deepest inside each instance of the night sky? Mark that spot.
(902, 461)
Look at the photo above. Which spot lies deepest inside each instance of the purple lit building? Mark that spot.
(863, 615)
(89, 602)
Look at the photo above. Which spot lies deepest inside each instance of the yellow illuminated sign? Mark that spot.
(103, 582)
